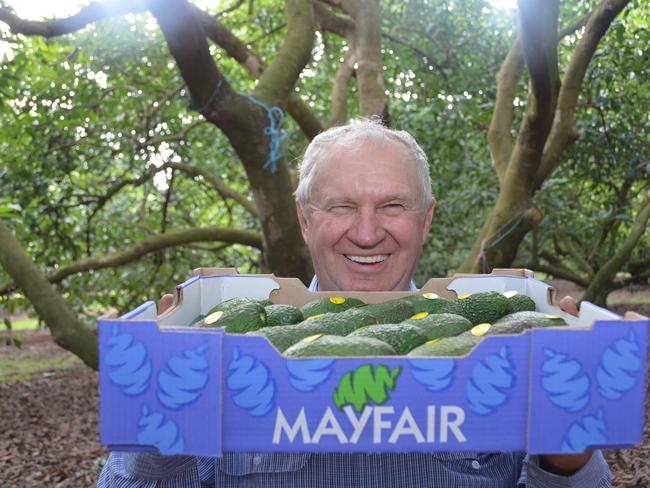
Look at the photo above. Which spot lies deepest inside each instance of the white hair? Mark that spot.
(353, 133)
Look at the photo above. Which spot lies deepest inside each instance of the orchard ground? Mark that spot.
(49, 418)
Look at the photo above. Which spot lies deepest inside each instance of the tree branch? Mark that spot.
(499, 139)
(67, 330)
(278, 80)
(566, 242)
(339, 113)
(144, 247)
(606, 273)
(236, 49)
(564, 131)
(87, 15)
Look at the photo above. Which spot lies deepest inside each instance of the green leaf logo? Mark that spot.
(363, 386)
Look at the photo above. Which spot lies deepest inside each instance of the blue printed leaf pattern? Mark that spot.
(433, 374)
(131, 368)
(156, 431)
(188, 378)
(565, 382)
(307, 374)
(618, 369)
(589, 431)
(491, 380)
(253, 380)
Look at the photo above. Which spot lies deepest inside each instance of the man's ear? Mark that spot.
(304, 224)
(427, 221)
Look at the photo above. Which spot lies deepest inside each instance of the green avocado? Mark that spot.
(284, 336)
(391, 312)
(342, 323)
(530, 320)
(328, 346)
(446, 347)
(234, 303)
(279, 314)
(436, 326)
(481, 307)
(402, 337)
(246, 317)
(426, 302)
(329, 305)
(521, 303)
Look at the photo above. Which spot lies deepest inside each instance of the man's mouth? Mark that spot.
(378, 258)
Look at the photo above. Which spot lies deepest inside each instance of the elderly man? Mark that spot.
(365, 206)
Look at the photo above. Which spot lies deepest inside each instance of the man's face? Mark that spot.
(365, 225)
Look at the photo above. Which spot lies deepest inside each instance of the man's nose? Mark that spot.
(367, 230)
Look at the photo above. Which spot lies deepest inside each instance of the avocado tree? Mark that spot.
(121, 183)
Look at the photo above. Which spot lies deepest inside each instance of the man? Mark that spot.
(365, 206)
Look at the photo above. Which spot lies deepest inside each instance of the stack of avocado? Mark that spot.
(418, 325)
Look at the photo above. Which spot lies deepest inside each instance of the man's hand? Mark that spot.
(166, 303)
(568, 304)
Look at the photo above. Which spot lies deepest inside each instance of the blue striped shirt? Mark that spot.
(341, 470)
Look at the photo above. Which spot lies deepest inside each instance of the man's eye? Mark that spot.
(342, 209)
(393, 208)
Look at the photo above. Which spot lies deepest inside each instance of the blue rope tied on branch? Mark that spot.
(273, 130)
(507, 229)
(213, 95)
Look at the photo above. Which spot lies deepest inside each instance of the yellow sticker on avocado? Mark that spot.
(433, 341)
(462, 296)
(213, 317)
(552, 317)
(510, 294)
(315, 316)
(337, 300)
(480, 329)
(312, 338)
(420, 316)
(430, 296)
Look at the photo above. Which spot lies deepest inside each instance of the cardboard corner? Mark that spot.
(214, 271)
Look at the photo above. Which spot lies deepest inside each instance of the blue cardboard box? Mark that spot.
(182, 390)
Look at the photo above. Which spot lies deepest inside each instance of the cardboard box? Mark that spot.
(185, 390)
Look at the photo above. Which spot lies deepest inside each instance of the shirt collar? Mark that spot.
(313, 286)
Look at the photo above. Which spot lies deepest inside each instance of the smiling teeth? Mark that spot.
(368, 259)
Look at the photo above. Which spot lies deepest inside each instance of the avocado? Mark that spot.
(342, 323)
(328, 345)
(284, 336)
(426, 302)
(440, 325)
(278, 314)
(391, 312)
(482, 307)
(329, 305)
(531, 319)
(236, 303)
(519, 302)
(237, 320)
(402, 337)
(447, 346)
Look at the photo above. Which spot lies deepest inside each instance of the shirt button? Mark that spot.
(476, 464)
(257, 459)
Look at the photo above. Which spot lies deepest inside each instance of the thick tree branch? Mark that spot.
(499, 139)
(50, 306)
(278, 80)
(564, 131)
(366, 15)
(332, 22)
(147, 246)
(236, 49)
(87, 15)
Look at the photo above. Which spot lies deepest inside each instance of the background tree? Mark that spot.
(138, 139)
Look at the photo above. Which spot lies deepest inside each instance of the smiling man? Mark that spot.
(365, 207)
